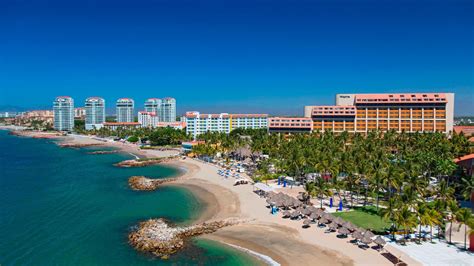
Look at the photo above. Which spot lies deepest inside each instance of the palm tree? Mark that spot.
(467, 187)
(464, 217)
(406, 219)
(453, 208)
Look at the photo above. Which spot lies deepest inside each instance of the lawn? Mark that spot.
(366, 218)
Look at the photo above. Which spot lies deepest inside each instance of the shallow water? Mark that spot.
(66, 207)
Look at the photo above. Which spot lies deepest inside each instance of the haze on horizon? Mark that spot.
(243, 56)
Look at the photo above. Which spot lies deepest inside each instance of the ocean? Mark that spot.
(61, 206)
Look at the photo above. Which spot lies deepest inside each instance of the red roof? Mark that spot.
(464, 158)
(467, 130)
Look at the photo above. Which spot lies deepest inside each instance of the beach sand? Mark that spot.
(285, 241)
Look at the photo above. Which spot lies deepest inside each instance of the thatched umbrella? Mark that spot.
(338, 220)
(368, 234)
(349, 226)
(300, 197)
(380, 241)
(286, 214)
(306, 211)
(314, 216)
(366, 240)
(313, 209)
(307, 222)
(343, 231)
(269, 201)
(323, 221)
(328, 216)
(295, 214)
(357, 235)
(333, 226)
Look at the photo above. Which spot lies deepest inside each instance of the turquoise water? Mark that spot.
(63, 206)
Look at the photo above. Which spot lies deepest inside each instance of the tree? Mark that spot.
(464, 217)
(405, 219)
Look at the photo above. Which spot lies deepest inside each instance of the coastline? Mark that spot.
(262, 235)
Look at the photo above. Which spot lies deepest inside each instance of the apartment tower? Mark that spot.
(125, 110)
(95, 112)
(63, 110)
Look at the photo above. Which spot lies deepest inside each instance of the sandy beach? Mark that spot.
(284, 240)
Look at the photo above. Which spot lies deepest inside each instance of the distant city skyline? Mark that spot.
(234, 57)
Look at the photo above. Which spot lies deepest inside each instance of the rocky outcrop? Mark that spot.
(36, 134)
(102, 152)
(155, 236)
(79, 145)
(144, 162)
(147, 184)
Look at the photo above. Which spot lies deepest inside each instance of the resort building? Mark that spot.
(125, 110)
(175, 125)
(153, 105)
(118, 125)
(63, 109)
(168, 110)
(290, 124)
(197, 123)
(148, 119)
(409, 112)
(95, 113)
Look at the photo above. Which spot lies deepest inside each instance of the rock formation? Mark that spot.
(158, 238)
(102, 152)
(79, 145)
(147, 184)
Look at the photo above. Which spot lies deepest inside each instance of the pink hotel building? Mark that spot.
(409, 112)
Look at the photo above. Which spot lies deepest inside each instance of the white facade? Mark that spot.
(168, 110)
(95, 113)
(125, 110)
(63, 109)
(148, 119)
(153, 105)
(197, 124)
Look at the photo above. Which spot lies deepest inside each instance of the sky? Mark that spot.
(234, 56)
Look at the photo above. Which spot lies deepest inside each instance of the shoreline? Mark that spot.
(263, 235)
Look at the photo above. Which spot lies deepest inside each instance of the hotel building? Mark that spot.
(148, 119)
(290, 124)
(125, 110)
(63, 109)
(124, 125)
(95, 113)
(197, 123)
(409, 112)
(153, 105)
(168, 110)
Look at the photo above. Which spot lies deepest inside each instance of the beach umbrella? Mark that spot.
(295, 214)
(306, 211)
(368, 234)
(307, 222)
(313, 209)
(338, 220)
(357, 235)
(380, 241)
(323, 220)
(343, 231)
(328, 216)
(269, 201)
(333, 225)
(349, 226)
(366, 240)
(300, 197)
(314, 216)
(286, 214)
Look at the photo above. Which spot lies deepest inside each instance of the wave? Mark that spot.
(265, 258)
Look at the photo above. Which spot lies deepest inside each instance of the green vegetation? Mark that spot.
(133, 139)
(367, 218)
(407, 178)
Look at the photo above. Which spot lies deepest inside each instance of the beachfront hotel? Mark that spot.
(168, 110)
(409, 112)
(197, 123)
(290, 125)
(153, 105)
(148, 119)
(63, 109)
(125, 110)
(95, 113)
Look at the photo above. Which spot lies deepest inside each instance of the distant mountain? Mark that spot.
(13, 108)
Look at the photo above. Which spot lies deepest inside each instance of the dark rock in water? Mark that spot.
(144, 162)
(158, 238)
(79, 145)
(147, 184)
(102, 152)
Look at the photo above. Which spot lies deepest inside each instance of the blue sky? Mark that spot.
(234, 56)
